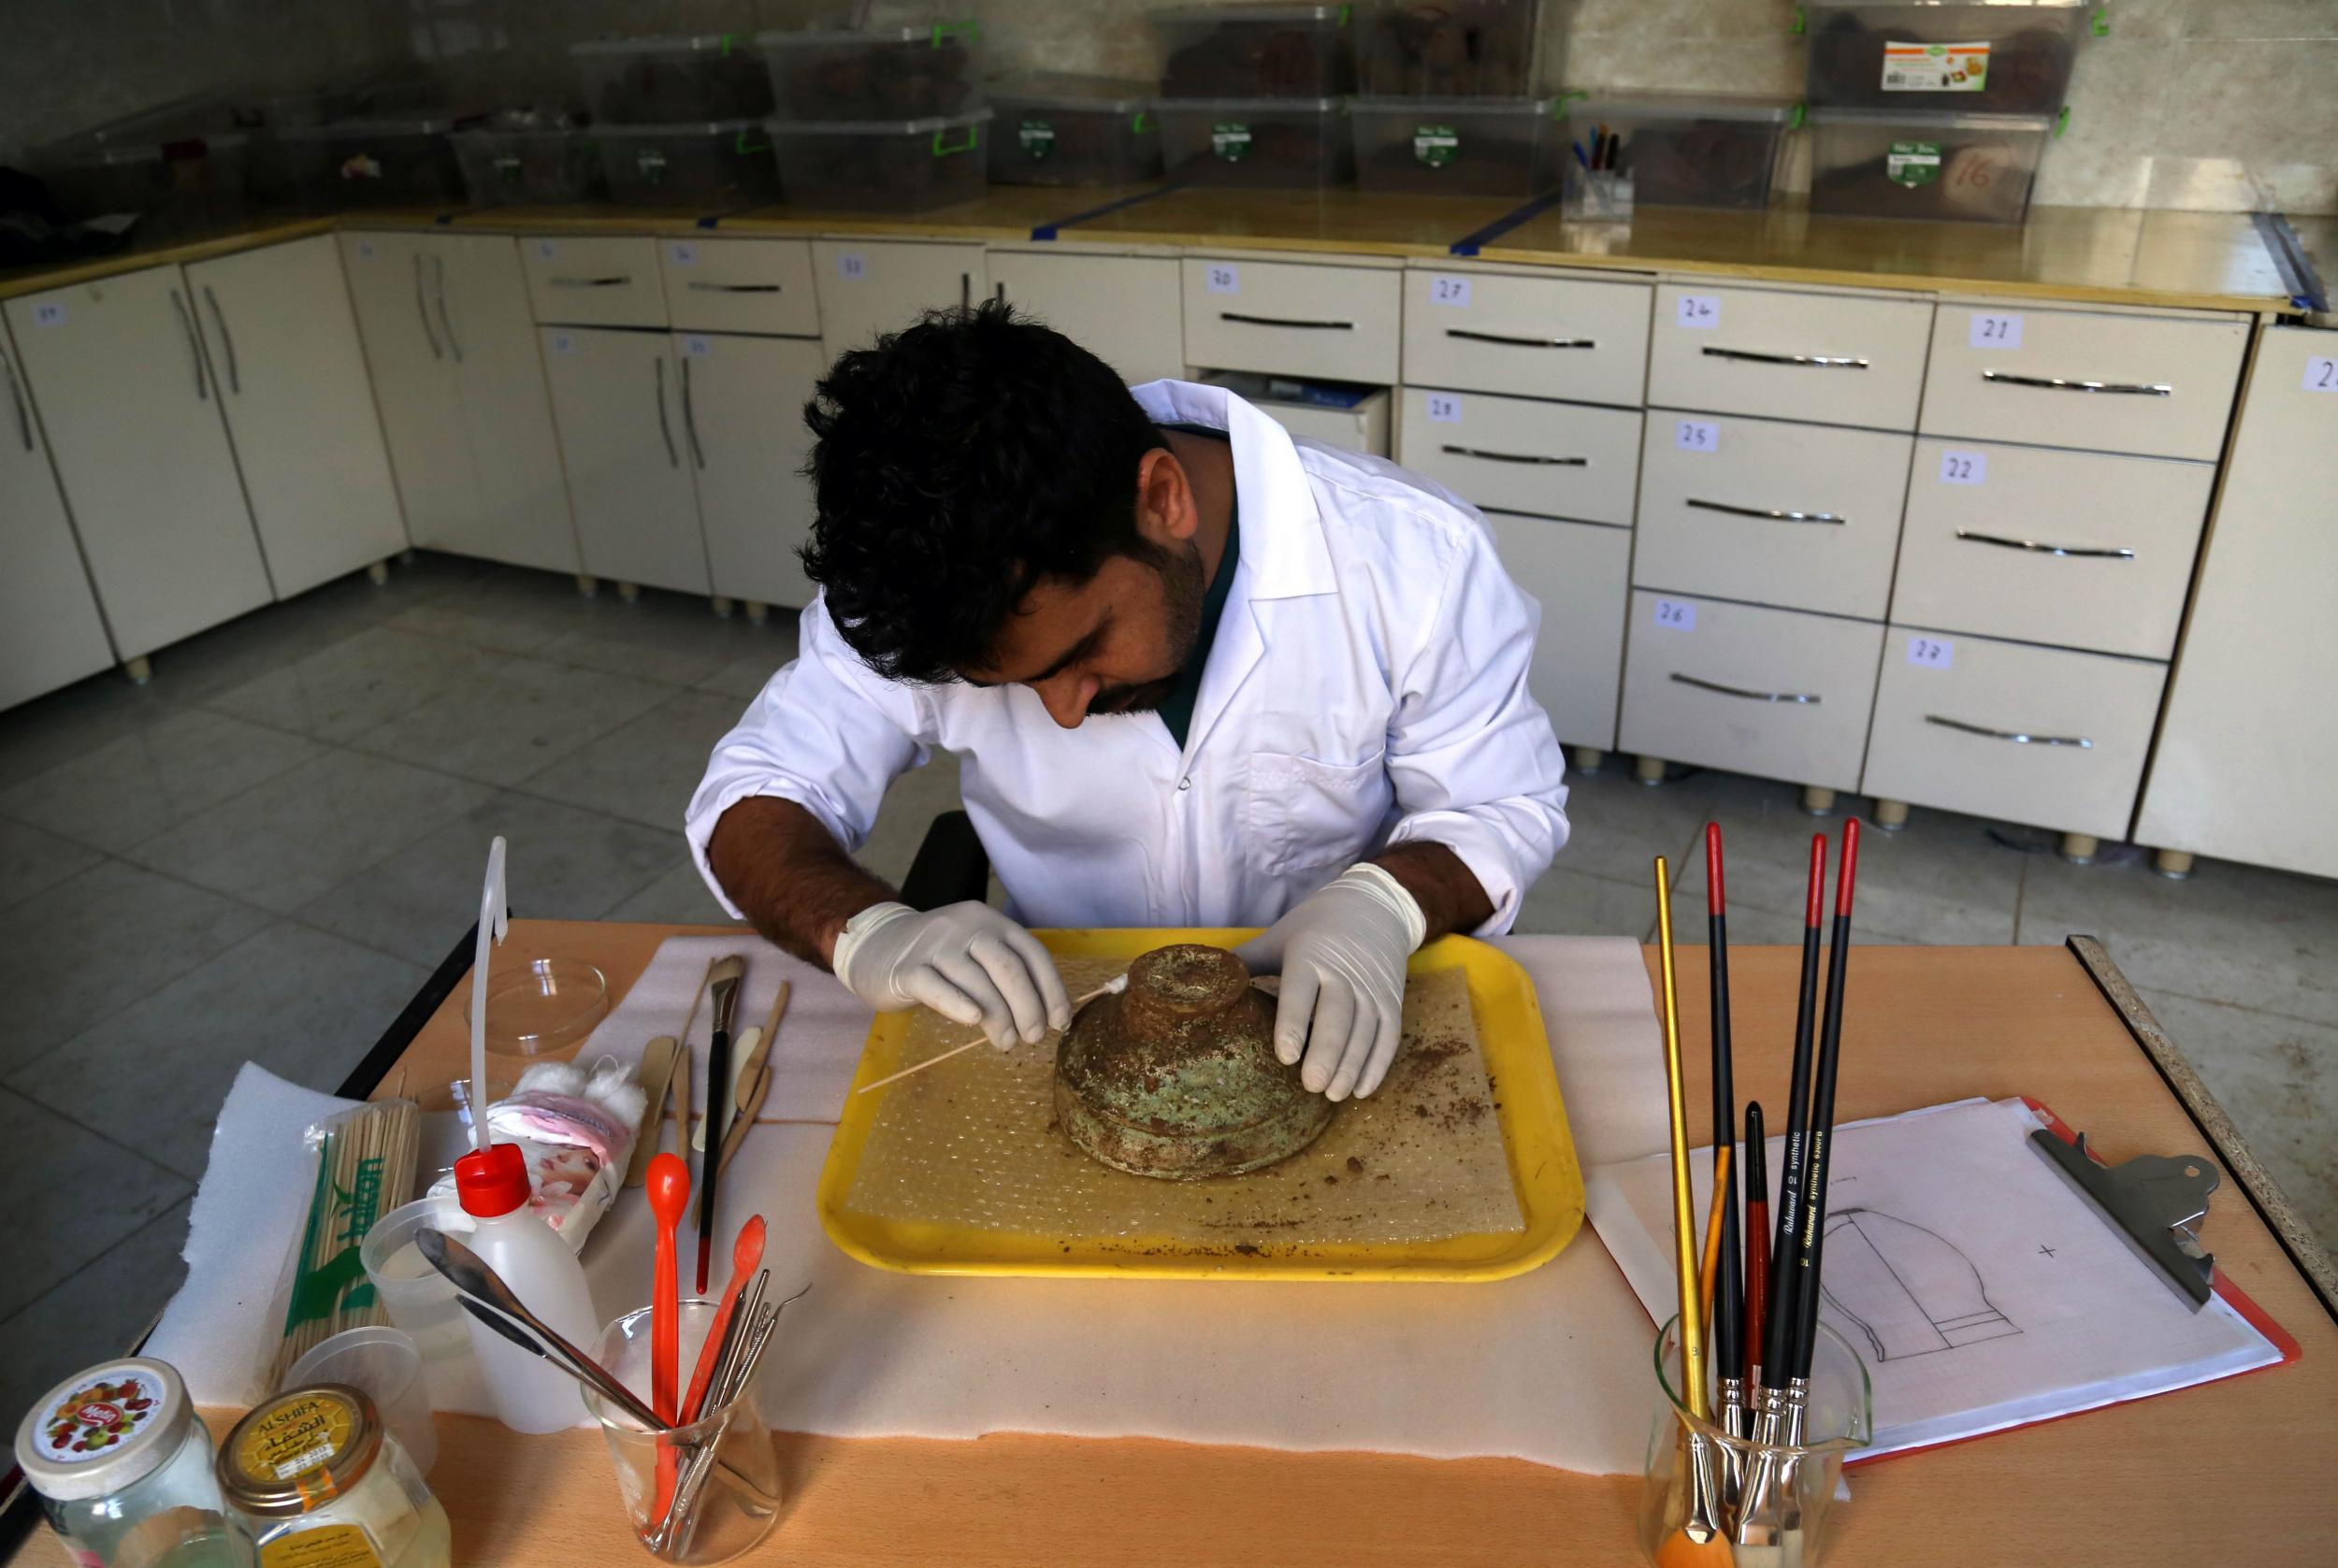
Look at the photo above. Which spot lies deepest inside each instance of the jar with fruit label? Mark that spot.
(123, 1467)
(320, 1483)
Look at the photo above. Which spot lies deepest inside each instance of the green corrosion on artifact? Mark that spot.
(1177, 1077)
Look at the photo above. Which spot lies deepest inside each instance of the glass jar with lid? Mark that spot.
(123, 1467)
(317, 1478)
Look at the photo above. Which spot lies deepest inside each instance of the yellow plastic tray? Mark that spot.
(1544, 1171)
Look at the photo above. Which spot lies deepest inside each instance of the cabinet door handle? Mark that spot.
(1809, 698)
(438, 274)
(701, 286)
(422, 309)
(665, 426)
(620, 280)
(1505, 339)
(194, 344)
(1821, 361)
(965, 291)
(235, 380)
(1776, 515)
(690, 419)
(1284, 320)
(2072, 552)
(16, 397)
(2016, 735)
(1516, 457)
(2057, 384)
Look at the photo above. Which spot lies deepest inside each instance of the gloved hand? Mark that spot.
(966, 961)
(1341, 953)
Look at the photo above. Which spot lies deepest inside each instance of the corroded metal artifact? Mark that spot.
(1176, 1077)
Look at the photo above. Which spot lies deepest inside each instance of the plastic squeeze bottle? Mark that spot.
(531, 1393)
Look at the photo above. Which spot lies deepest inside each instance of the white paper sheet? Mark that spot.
(1980, 1290)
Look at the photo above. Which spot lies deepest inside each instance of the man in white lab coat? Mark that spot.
(1197, 674)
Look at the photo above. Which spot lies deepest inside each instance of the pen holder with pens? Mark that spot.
(1774, 1498)
(1599, 196)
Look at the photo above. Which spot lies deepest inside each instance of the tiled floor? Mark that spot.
(261, 854)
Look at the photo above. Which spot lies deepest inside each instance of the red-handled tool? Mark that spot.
(669, 1200)
(746, 1256)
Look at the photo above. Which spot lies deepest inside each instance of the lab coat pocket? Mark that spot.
(1305, 814)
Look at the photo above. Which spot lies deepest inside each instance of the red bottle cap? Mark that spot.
(491, 1181)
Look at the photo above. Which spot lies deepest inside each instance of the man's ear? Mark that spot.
(1166, 513)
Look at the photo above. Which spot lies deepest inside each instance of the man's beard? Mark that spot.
(1180, 569)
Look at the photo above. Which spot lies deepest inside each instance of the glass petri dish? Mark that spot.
(539, 1005)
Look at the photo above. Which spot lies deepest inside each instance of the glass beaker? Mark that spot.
(1768, 1496)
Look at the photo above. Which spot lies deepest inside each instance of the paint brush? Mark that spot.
(1779, 1323)
(1811, 1242)
(1727, 1326)
(1754, 1162)
(723, 986)
(1708, 1272)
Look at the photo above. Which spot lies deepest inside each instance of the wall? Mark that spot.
(2214, 104)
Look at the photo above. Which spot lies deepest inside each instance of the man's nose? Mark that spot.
(1067, 700)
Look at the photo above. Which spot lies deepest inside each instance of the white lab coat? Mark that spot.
(1367, 687)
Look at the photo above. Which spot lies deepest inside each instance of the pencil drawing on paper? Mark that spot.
(1910, 1291)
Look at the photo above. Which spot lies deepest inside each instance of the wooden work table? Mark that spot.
(2222, 1473)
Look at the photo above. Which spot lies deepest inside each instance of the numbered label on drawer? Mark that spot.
(1444, 408)
(853, 264)
(1964, 468)
(1696, 435)
(563, 343)
(547, 250)
(696, 348)
(1676, 615)
(2321, 374)
(1446, 289)
(1698, 310)
(683, 252)
(1222, 278)
(1994, 331)
(49, 312)
(1932, 653)
(365, 250)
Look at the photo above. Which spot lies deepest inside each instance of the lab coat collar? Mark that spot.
(1283, 553)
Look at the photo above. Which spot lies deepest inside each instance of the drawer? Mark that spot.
(1576, 572)
(872, 286)
(2071, 548)
(1800, 516)
(1531, 336)
(594, 282)
(2036, 735)
(1827, 358)
(2145, 384)
(740, 286)
(1126, 310)
(1546, 459)
(1339, 323)
(1774, 692)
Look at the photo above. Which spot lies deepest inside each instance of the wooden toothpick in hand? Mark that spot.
(1117, 982)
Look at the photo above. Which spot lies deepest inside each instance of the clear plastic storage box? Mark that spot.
(1439, 49)
(865, 165)
(673, 80)
(1456, 147)
(174, 186)
(885, 73)
(714, 166)
(1056, 128)
(1998, 56)
(1686, 148)
(529, 165)
(1879, 164)
(1255, 52)
(1287, 143)
(374, 163)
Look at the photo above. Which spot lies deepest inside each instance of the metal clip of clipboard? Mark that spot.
(2153, 1201)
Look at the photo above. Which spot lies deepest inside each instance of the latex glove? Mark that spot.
(966, 961)
(1341, 953)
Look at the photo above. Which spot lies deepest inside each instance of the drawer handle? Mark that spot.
(700, 286)
(1810, 698)
(2056, 384)
(1823, 361)
(1522, 342)
(2016, 735)
(2073, 552)
(617, 283)
(1516, 457)
(1279, 320)
(1778, 514)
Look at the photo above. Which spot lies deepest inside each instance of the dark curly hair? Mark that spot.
(955, 464)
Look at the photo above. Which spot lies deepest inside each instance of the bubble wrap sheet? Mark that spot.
(973, 1142)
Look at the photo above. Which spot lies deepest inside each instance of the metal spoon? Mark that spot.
(493, 1302)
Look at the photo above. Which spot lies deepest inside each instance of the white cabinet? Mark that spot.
(742, 418)
(871, 286)
(1830, 359)
(740, 286)
(616, 397)
(1516, 454)
(119, 378)
(290, 378)
(460, 383)
(595, 279)
(1576, 572)
(1293, 319)
(50, 630)
(1124, 309)
(1533, 335)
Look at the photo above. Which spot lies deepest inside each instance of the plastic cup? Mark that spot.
(385, 1363)
(418, 1297)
